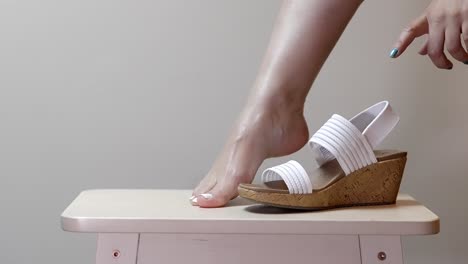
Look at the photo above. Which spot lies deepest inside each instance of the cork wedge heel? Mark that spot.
(350, 171)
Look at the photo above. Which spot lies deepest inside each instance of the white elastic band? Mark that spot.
(374, 123)
(293, 174)
(344, 142)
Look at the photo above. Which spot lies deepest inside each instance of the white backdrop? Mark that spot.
(141, 94)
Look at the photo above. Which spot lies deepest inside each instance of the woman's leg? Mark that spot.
(272, 122)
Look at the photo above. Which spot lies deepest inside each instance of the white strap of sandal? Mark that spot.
(340, 139)
(350, 142)
(376, 122)
(293, 174)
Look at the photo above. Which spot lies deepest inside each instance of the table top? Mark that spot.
(169, 211)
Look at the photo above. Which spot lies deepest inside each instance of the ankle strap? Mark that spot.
(352, 142)
(376, 122)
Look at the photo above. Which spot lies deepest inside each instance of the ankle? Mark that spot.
(282, 103)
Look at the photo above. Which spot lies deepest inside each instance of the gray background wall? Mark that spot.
(141, 94)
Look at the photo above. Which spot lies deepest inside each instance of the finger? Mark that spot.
(453, 42)
(423, 50)
(415, 29)
(464, 36)
(435, 47)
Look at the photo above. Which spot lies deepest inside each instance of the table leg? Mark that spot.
(117, 248)
(380, 249)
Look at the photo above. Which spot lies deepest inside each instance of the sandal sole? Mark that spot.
(377, 184)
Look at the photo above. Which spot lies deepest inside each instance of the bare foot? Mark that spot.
(263, 131)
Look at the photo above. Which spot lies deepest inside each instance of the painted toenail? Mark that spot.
(207, 196)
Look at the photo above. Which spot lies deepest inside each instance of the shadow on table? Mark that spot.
(266, 209)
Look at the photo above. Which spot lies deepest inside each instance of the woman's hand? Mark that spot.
(446, 23)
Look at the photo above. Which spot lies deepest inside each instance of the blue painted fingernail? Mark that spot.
(393, 53)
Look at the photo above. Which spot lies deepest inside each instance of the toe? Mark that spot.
(204, 186)
(219, 196)
(194, 200)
